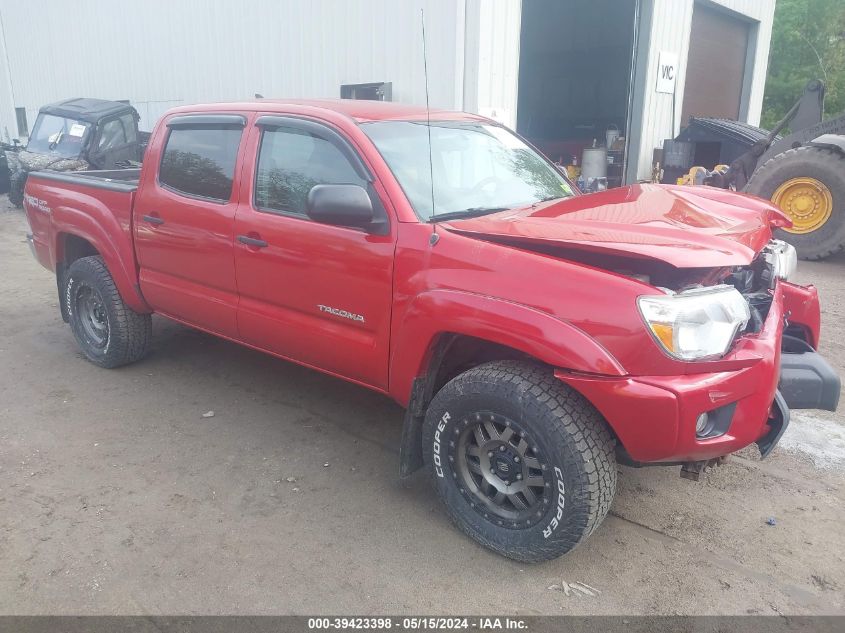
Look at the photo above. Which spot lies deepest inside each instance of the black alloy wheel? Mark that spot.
(503, 475)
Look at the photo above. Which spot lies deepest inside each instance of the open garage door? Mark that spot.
(575, 67)
(716, 64)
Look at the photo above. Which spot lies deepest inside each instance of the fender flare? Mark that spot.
(117, 255)
(435, 313)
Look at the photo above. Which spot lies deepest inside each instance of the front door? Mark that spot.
(314, 293)
(184, 221)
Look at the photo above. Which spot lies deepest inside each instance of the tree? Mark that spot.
(808, 42)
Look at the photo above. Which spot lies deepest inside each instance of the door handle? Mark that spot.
(252, 241)
(153, 219)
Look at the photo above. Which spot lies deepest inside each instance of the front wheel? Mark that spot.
(109, 332)
(523, 464)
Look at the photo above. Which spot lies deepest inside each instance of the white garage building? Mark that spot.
(559, 71)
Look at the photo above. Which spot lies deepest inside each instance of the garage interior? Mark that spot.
(575, 72)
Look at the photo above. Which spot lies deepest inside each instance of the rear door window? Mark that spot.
(200, 161)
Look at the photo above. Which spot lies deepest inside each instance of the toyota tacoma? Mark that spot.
(537, 337)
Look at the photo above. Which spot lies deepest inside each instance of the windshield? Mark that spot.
(477, 167)
(58, 136)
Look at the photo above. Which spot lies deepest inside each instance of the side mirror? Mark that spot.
(343, 205)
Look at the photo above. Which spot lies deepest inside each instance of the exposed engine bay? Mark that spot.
(754, 281)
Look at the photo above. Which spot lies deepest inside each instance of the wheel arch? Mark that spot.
(80, 234)
(475, 329)
(68, 248)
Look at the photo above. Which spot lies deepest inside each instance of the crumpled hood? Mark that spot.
(686, 227)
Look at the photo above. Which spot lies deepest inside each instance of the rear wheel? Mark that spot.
(808, 185)
(523, 464)
(109, 333)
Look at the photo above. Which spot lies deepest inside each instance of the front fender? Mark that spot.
(533, 332)
(801, 307)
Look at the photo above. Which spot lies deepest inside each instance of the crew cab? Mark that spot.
(537, 337)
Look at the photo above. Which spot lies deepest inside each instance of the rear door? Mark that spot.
(184, 222)
(315, 293)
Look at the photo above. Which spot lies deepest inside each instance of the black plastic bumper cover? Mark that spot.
(807, 381)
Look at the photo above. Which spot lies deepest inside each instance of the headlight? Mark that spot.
(782, 257)
(696, 324)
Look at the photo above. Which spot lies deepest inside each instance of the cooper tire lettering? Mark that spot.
(68, 302)
(438, 465)
(561, 503)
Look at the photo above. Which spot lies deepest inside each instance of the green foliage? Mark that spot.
(808, 42)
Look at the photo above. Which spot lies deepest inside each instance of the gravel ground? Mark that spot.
(117, 496)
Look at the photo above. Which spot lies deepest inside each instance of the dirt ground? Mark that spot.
(118, 497)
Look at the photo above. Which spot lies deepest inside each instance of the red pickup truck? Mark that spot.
(536, 336)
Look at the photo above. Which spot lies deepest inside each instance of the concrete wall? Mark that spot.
(666, 26)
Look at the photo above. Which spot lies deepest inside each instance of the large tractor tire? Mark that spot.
(808, 184)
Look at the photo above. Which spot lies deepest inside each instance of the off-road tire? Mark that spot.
(826, 166)
(127, 333)
(17, 181)
(570, 438)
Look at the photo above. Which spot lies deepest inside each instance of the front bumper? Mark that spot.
(654, 417)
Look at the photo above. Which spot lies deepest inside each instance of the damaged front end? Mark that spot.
(806, 380)
(752, 336)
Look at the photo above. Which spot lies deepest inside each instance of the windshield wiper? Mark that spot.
(472, 212)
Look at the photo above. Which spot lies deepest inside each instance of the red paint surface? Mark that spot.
(579, 319)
